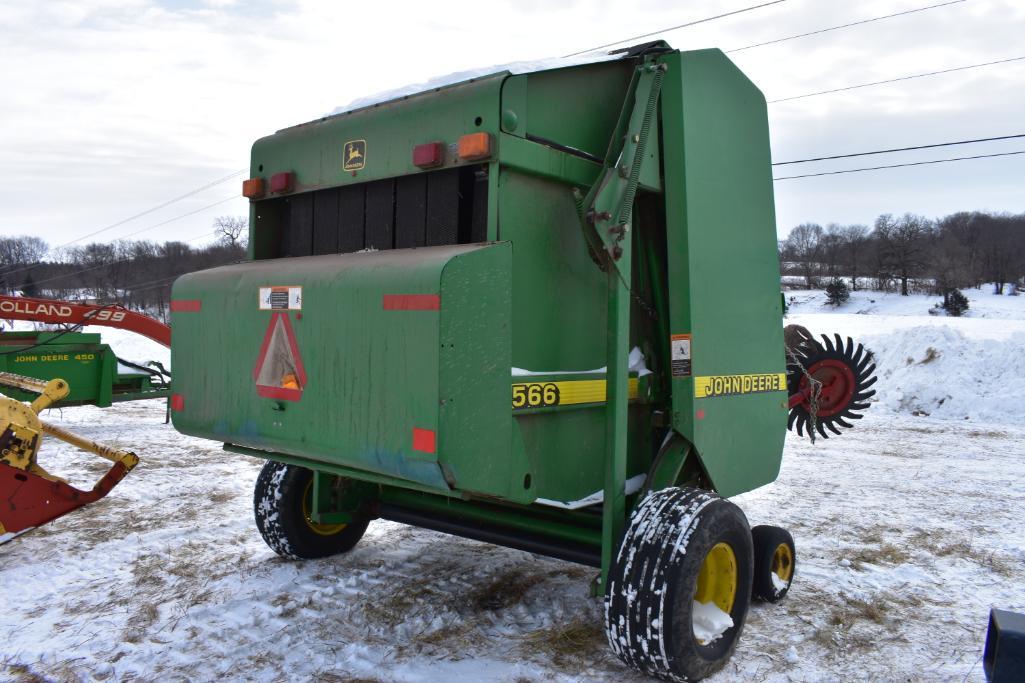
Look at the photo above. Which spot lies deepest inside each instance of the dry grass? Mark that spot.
(949, 545)
(505, 590)
(987, 434)
(579, 641)
(854, 624)
(222, 497)
(883, 553)
(931, 354)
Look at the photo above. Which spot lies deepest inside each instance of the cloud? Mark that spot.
(112, 106)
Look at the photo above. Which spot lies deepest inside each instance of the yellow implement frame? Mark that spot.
(29, 495)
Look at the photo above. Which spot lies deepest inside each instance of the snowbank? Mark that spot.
(942, 372)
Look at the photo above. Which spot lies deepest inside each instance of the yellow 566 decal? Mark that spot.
(731, 385)
(547, 394)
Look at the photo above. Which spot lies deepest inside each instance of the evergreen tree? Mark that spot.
(837, 292)
(955, 303)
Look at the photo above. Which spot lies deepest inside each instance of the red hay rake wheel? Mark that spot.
(844, 373)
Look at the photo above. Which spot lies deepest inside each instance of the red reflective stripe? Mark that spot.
(423, 440)
(177, 403)
(279, 393)
(186, 305)
(412, 302)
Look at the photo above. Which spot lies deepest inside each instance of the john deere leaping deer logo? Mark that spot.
(354, 155)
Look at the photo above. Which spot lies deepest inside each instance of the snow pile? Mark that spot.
(462, 76)
(635, 362)
(940, 371)
(983, 303)
(710, 622)
(778, 584)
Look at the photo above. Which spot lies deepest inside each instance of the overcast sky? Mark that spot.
(111, 107)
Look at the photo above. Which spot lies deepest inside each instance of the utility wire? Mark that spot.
(184, 215)
(152, 227)
(673, 28)
(916, 163)
(157, 207)
(898, 149)
(894, 80)
(837, 28)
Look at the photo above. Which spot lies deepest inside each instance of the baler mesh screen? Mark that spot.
(424, 209)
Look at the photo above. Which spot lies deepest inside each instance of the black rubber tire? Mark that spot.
(766, 540)
(278, 508)
(653, 578)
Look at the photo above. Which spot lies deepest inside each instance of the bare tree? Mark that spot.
(232, 231)
(831, 248)
(804, 243)
(904, 244)
(18, 254)
(854, 239)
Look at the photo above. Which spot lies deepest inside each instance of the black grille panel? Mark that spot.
(425, 209)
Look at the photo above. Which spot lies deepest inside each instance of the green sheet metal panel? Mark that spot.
(314, 151)
(88, 366)
(379, 395)
(722, 265)
(558, 324)
(475, 426)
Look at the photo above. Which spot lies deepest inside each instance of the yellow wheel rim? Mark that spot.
(717, 579)
(320, 529)
(783, 562)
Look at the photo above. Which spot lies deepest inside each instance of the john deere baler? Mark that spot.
(536, 309)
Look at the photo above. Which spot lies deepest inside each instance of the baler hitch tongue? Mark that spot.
(29, 495)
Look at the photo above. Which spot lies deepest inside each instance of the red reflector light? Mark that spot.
(252, 188)
(424, 440)
(281, 182)
(428, 154)
(475, 146)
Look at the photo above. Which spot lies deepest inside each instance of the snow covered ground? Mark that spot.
(907, 529)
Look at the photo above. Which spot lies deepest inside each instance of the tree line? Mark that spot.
(911, 253)
(137, 274)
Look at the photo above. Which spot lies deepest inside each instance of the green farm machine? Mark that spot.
(536, 309)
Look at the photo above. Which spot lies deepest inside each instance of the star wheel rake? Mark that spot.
(828, 383)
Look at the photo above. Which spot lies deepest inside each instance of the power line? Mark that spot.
(894, 80)
(673, 28)
(916, 163)
(837, 28)
(152, 227)
(898, 149)
(157, 207)
(184, 215)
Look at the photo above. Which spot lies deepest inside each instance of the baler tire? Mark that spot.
(281, 518)
(774, 553)
(654, 579)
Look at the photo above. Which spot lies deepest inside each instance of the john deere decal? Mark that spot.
(354, 155)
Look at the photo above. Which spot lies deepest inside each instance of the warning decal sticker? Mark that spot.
(279, 372)
(679, 346)
(732, 385)
(281, 298)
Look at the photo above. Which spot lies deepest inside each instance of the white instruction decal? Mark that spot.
(281, 298)
(680, 354)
